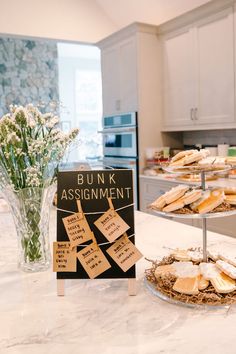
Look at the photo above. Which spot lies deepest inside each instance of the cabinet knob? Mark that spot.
(195, 113)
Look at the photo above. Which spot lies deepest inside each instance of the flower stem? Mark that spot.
(31, 243)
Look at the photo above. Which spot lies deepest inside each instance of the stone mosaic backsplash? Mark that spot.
(28, 72)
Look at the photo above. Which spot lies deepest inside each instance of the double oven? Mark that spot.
(120, 145)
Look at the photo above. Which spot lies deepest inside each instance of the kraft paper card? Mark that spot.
(93, 260)
(124, 253)
(111, 225)
(77, 229)
(64, 259)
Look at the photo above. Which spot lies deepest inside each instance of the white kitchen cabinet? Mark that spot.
(110, 80)
(215, 69)
(128, 75)
(131, 79)
(178, 71)
(198, 77)
(119, 77)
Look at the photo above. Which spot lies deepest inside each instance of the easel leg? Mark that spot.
(132, 287)
(60, 287)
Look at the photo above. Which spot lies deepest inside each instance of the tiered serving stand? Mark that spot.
(203, 172)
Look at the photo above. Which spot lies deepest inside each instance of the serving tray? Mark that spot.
(212, 215)
(196, 169)
(153, 291)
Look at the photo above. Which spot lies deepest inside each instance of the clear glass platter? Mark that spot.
(152, 289)
(195, 178)
(195, 169)
(220, 214)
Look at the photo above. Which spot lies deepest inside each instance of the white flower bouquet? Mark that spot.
(31, 148)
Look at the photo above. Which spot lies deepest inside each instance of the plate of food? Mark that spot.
(184, 201)
(183, 278)
(194, 161)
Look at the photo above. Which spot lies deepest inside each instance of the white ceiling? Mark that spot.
(124, 12)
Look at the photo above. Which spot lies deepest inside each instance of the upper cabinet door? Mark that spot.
(215, 69)
(111, 80)
(178, 80)
(119, 77)
(128, 75)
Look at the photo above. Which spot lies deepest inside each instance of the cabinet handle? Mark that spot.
(191, 114)
(195, 114)
(118, 105)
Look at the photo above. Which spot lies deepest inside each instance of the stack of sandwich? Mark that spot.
(193, 275)
(185, 200)
(230, 195)
(189, 157)
(231, 160)
(198, 160)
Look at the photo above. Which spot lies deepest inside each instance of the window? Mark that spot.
(80, 93)
(43, 72)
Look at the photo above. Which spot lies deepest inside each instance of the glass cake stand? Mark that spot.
(196, 169)
(203, 217)
(153, 290)
(150, 286)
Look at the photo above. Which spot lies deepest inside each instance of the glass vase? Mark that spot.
(31, 210)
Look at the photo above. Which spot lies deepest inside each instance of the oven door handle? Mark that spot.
(117, 130)
(120, 162)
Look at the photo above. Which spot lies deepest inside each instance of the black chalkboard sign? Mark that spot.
(93, 188)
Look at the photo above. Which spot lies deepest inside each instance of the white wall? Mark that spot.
(124, 12)
(76, 20)
(85, 20)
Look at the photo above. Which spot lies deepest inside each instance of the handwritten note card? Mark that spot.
(124, 253)
(111, 225)
(64, 259)
(93, 260)
(77, 229)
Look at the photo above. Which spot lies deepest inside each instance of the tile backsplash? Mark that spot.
(210, 137)
(28, 72)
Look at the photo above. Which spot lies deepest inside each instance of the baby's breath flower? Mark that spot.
(73, 133)
(20, 116)
(12, 108)
(52, 122)
(41, 119)
(18, 151)
(32, 143)
(12, 138)
(48, 116)
(32, 122)
(33, 176)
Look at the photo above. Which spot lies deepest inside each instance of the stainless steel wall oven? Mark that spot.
(120, 145)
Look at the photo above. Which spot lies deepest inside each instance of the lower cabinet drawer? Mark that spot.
(153, 190)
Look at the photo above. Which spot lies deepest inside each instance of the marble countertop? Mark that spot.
(98, 316)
